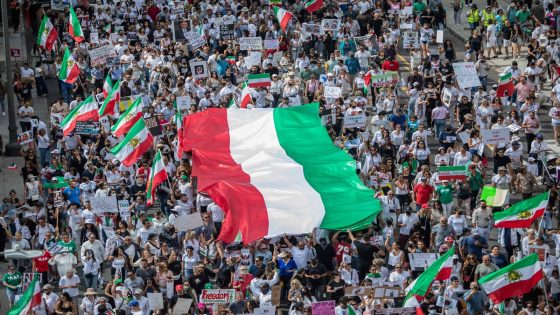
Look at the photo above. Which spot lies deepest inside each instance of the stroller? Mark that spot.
(551, 167)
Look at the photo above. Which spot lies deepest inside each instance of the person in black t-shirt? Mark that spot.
(500, 159)
(365, 253)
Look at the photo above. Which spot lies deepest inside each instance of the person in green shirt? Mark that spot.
(476, 182)
(522, 15)
(67, 244)
(445, 196)
(12, 282)
(418, 7)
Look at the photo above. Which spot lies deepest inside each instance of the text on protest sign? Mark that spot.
(356, 121)
(250, 43)
(467, 76)
(332, 91)
(495, 136)
(217, 296)
(194, 39)
(100, 54)
(105, 204)
(323, 308)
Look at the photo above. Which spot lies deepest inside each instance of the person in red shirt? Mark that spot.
(41, 265)
(341, 247)
(422, 193)
(390, 64)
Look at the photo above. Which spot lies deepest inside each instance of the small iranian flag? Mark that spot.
(230, 59)
(367, 82)
(439, 270)
(523, 213)
(69, 70)
(283, 17)
(74, 27)
(107, 28)
(313, 5)
(56, 183)
(85, 111)
(277, 3)
(505, 84)
(452, 172)
(47, 34)
(135, 144)
(158, 175)
(107, 85)
(128, 118)
(111, 101)
(259, 80)
(232, 104)
(178, 121)
(245, 96)
(515, 279)
(30, 298)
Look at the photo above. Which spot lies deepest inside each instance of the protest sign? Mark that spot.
(182, 306)
(464, 136)
(87, 128)
(356, 121)
(540, 250)
(495, 136)
(467, 76)
(514, 127)
(183, 102)
(27, 278)
(452, 172)
(366, 41)
(439, 37)
(392, 311)
(58, 198)
(277, 57)
(99, 55)
(330, 25)
(308, 30)
(419, 261)
(377, 240)
(384, 78)
(271, 44)
(227, 32)
(55, 249)
(328, 117)
(155, 301)
(153, 125)
(406, 11)
(386, 292)
(25, 137)
(410, 40)
(493, 196)
(253, 59)
(332, 91)
(265, 310)
(124, 206)
(194, 39)
(113, 38)
(323, 308)
(185, 222)
(94, 37)
(59, 5)
(217, 296)
(105, 204)
(357, 291)
(250, 43)
(199, 69)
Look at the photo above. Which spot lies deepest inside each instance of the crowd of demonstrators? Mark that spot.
(109, 261)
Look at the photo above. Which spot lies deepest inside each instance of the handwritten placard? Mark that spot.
(323, 308)
(105, 204)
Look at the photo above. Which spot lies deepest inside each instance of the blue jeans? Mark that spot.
(484, 82)
(41, 86)
(439, 125)
(162, 197)
(66, 90)
(44, 156)
(91, 281)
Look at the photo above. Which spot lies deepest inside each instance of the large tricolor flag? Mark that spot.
(277, 3)
(74, 26)
(128, 118)
(246, 97)
(523, 213)
(158, 175)
(439, 270)
(135, 144)
(47, 34)
(283, 17)
(85, 111)
(505, 84)
(30, 298)
(111, 101)
(275, 171)
(259, 80)
(107, 85)
(69, 70)
(313, 5)
(515, 279)
(178, 121)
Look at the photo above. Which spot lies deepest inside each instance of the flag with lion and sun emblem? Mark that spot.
(523, 213)
(128, 118)
(69, 70)
(513, 280)
(135, 144)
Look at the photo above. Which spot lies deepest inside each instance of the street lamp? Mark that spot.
(12, 147)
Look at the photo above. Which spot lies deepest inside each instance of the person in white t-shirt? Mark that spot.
(554, 114)
(69, 283)
(300, 253)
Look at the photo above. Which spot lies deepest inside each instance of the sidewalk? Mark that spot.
(11, 179)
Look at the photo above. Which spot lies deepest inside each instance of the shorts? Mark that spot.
(490, 44)
(11, 294)
(507, 43)
(556, 124)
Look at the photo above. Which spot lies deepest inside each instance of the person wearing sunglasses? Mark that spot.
(475, 300)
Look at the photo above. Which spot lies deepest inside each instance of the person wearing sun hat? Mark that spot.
(89, 301)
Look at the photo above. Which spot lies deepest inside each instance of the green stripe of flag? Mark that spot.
(523, 263)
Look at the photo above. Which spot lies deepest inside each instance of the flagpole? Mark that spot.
(544, 288)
